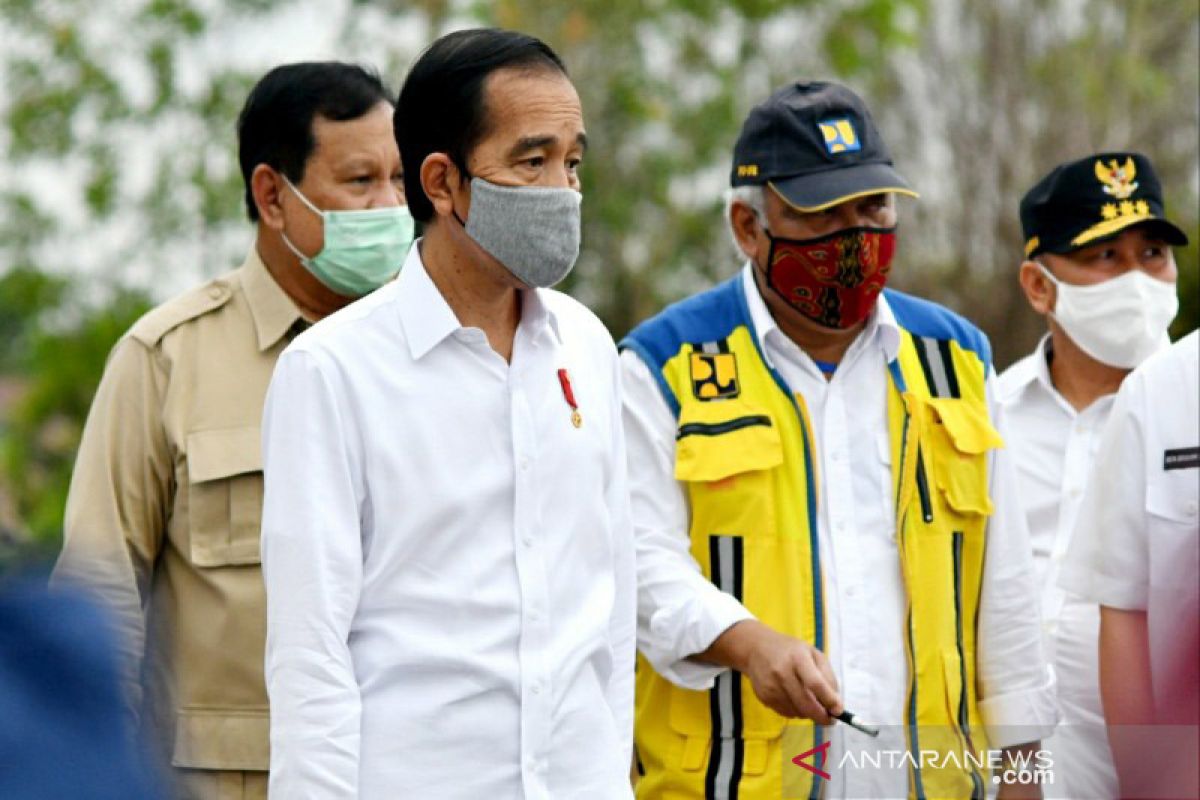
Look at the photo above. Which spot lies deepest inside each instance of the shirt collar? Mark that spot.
(425, 315)
(1033, 372)
(881, 321)
(273, 310)
(537, 314)
(428, 319)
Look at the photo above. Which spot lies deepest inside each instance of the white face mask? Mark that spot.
(1119, 322)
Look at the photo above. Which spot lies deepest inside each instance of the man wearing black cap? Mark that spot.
(824, 522)
(1098, 265)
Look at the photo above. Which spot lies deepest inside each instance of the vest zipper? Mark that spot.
(964, 717)
(923, 489)
(717, 428)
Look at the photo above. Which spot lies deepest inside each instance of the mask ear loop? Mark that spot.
(467, 175)
(305, 260)
(303, 199)
(770, 253)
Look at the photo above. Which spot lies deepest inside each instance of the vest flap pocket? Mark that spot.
(224, 496)
(222, 739)
(722, 438)
(967, 424)
(958, 434)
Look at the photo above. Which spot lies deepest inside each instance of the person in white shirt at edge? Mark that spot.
(1136, 552)
(1098, 265)
(446, 539)
(774, 448)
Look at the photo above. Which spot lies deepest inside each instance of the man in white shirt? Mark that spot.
(1136, 552)
(819, 502)
(446, 538)
(1105, 281)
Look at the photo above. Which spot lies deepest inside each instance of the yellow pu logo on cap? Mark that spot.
(839, 136)
(714, 375)
(747, 170)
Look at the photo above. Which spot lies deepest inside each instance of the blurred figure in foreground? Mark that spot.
(1136, 552)
(63, 727)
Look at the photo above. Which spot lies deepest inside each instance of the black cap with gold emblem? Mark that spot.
(1085, 201)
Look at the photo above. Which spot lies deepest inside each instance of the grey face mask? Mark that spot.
(532, 230)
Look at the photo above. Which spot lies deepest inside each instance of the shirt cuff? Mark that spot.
(688, 629)
(1023, 716)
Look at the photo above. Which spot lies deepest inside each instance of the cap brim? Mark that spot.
(1171, 233)
(820, 190)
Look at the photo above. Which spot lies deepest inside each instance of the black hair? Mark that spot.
(275, 125)
(441, 106)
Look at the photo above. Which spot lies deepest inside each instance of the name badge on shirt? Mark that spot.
(1182, 458)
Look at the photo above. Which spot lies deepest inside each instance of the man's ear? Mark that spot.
(440, 179)
(743, 221)
(267, 187)
(1039, 290)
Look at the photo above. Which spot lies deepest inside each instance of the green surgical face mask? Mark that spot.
(363, 250)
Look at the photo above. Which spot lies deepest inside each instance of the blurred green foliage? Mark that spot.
(127, 106)
(53, 351)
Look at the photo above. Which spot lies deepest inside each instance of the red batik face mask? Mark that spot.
(833, 280)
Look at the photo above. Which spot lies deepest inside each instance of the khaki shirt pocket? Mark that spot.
(225, 492)
(222, 739)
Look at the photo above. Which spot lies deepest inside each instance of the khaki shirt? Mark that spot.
(162, 519)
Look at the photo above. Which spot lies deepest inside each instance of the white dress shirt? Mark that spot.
(1054, 447)
(1137, 541)
(679, 616)
(448, 558)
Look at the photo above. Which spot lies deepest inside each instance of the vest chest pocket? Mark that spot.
(225, 489)
(957, 435)
(725, 451)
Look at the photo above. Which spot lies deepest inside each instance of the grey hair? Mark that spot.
(752, 196)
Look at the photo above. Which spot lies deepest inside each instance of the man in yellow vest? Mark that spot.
(825, 520)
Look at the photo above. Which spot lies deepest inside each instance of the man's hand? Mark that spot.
(789, 676)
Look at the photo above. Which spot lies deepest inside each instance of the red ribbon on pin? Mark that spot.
(564, 380)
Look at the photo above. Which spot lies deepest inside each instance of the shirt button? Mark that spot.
(851, 591)
(1191, 509)
(536, 688)
(524, 464)
(836, 455)
(527, 541)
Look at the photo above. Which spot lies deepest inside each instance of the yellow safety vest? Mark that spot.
(746, 453)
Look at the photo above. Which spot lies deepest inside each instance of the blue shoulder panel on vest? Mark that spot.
(705, 317)
(925, 318)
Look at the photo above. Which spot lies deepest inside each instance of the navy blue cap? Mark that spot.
(816, 145)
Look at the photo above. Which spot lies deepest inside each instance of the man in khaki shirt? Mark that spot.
(162, 520)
